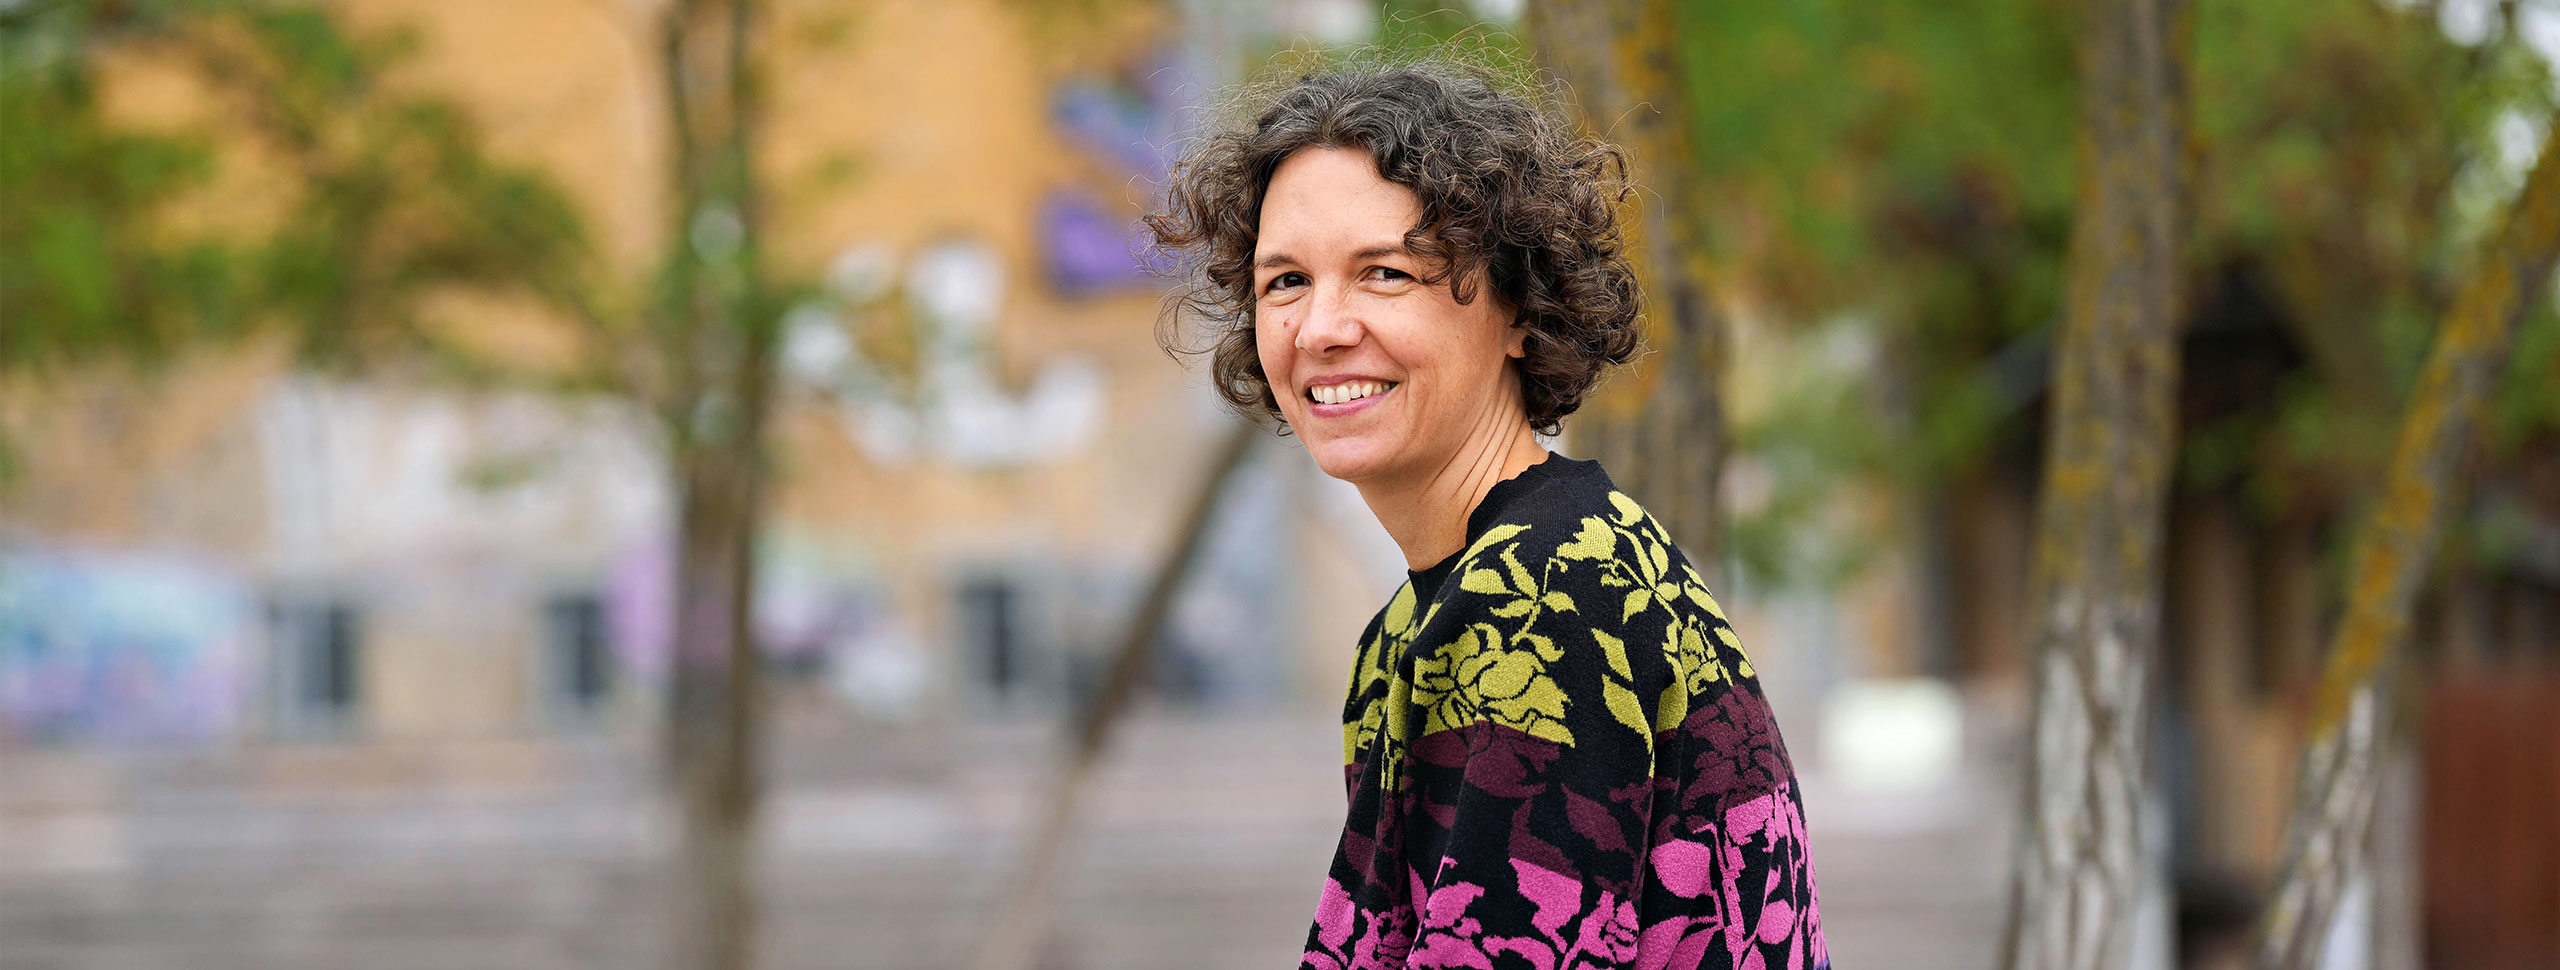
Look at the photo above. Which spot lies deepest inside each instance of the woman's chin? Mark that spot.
(1350, 461)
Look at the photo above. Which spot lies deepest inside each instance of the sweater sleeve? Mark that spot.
(1729, 878)
(1533, 770)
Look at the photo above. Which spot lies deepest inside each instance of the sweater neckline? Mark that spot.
(1426, 581)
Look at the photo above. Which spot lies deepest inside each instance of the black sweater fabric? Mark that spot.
(1557, 756)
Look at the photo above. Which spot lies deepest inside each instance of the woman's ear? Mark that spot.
(1516, 339)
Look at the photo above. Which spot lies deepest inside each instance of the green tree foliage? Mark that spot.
(1904, 169)
(388, 197)
(83, 273)
(388, 194)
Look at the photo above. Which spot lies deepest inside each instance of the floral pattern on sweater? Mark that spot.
(1558, 757)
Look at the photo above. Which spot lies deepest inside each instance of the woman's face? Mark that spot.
(1384, 377)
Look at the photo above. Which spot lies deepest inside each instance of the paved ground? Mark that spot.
(1205, 852)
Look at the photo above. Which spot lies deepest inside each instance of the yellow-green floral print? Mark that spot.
(1557, 755)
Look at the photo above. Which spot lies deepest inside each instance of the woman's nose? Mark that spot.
(1330, 325)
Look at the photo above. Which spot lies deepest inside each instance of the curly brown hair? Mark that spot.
(1511, 194)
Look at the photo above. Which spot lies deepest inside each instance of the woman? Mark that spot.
(1556, 753)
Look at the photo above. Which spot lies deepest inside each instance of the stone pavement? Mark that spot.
(1204, 850)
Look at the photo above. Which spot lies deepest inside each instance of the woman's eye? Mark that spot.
(1287, 280)
(1390, 274)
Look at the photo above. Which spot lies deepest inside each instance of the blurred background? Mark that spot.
(410, 409)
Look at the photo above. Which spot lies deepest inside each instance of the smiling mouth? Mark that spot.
(1348, 391)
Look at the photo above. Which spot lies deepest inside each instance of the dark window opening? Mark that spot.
(318, 655)
(988, 626)
(581, 668)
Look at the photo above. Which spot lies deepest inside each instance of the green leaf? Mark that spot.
(1628, 511)
(1545, 646)
(1674, 706)
(1595, 541)
(1615, 650)
(1519, 574)
(1622, 702)
(1489, 539)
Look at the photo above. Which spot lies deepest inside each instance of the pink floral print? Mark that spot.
(1557, 757)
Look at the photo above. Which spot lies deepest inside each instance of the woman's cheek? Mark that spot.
(1269, 334)
(1272, 349)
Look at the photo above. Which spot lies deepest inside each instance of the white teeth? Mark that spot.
(1346, 391)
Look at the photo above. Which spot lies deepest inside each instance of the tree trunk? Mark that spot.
(719, 331)
(712, 714)
(1662, 433)
(2337, 782)
(2089, 880)
(1013, 940)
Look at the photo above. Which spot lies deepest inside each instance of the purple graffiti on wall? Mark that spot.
(101, 645)
(1132, 119)
(1088, 251)
(1133, 122)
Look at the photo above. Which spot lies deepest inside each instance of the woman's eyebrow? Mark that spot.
(1366, 252)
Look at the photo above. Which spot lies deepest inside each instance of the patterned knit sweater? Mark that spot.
(1558, 757)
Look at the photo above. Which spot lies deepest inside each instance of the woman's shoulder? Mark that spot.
(1576, 514)
(1567, 541)
(1581, 552)
(1568, 618)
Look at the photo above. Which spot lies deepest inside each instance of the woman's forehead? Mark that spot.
(1332, 201)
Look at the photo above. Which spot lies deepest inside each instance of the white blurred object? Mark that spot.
(962, 414)
(2469, 23)
(960, 283)
(862, 272)
(815, 349)
(379, 472)
(1892, 735)
(887, 432)
(1330, 22)
(882, 674)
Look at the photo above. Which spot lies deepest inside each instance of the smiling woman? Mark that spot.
(1563, 758)
(1376, 361)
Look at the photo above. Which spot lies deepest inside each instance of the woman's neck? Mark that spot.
(1427, 514)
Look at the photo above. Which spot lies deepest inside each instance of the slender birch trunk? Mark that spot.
(1012, 941)
(2089, 880)
(2337, 784)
